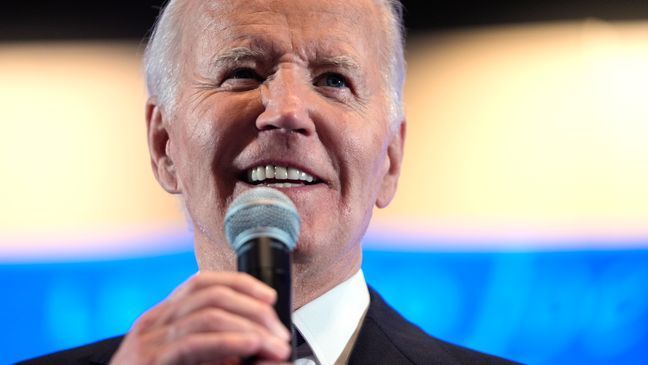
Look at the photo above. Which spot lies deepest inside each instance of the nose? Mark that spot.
(286, 106)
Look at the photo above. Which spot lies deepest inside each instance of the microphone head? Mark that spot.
(262, 212)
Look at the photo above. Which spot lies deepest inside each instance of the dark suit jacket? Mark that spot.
(385, 338)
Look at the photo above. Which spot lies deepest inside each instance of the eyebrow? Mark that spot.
(235, 55)
(345, 62)
(239, 54)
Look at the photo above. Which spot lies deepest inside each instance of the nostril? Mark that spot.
(267, 127)
(289, 116)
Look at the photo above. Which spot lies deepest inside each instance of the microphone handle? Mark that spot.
(270, 261)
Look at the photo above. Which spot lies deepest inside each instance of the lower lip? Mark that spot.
(293, 191)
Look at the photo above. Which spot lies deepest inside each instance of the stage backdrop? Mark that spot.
(518, 229)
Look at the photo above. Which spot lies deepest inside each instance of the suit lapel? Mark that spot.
(373, 346)
(105, 351)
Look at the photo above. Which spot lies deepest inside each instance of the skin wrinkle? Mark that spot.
(203, 92)
(265, 15)
(327, 143)
(343, 63)
(347, 131)
(223, 122)
(156, 51)
(242, 54)
(362, 98)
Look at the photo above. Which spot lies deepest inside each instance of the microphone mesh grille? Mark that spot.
(261, 208)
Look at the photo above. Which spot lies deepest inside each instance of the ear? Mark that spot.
(393, 164)
(159, 147)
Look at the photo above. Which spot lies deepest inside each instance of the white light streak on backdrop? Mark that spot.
(530, 133)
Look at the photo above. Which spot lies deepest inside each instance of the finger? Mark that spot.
(151, 317)
(219, 321)
(216, 320)
(241, 282)
(226, 299)
(213, 320)
(201, 348)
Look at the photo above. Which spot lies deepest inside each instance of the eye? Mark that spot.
(333, 80)
(241, 79)
(242, 76)
(245, 73)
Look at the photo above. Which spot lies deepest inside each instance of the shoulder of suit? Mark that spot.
(416, 345)
(97, 353)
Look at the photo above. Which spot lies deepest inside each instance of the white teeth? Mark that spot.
(269, 172)
(284, 185)
(281, 173)
(306, 177)
(293, 174)
(262, 173)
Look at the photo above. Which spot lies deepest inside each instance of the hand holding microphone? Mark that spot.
(221, 317)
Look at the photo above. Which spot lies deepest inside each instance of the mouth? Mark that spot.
(278, 176)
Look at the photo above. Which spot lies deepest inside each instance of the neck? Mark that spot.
(313, 275)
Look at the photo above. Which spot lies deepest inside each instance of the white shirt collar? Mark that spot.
(328, 322)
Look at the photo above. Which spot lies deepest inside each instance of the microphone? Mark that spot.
(262, 226)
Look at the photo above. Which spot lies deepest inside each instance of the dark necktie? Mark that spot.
(299, 339)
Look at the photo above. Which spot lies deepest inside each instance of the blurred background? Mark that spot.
(519, 228)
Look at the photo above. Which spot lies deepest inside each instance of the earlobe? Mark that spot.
(393, 166)
(159, 147)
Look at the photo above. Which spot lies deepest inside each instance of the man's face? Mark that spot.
(290, 88)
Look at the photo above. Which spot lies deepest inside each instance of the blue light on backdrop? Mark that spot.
(551, 147)
(572, 307)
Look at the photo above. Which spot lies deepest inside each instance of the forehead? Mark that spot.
(306, 28)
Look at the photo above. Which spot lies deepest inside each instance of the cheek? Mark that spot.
(368, 150)
(365, 165)
(219, 127)
(189, 142)
(206, 139)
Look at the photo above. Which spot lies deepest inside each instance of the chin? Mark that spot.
(305, 252)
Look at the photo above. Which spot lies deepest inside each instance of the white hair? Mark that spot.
(163, 66)
(162, 55)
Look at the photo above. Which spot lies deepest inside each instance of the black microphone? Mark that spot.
(262, 226)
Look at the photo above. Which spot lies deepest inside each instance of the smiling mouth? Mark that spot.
(278, 176)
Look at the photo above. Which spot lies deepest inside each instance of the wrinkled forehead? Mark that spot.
(307, 28)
